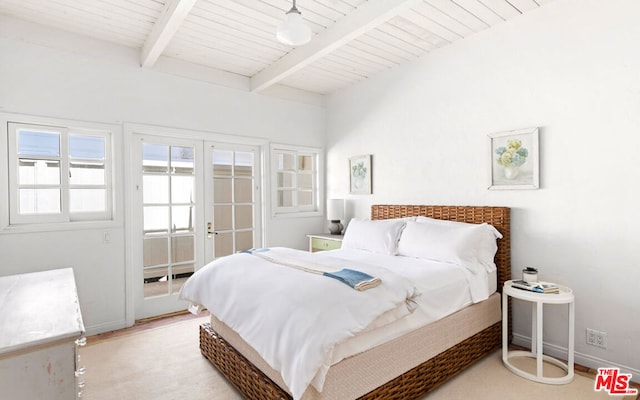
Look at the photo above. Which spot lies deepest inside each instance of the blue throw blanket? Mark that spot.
(350, 277)
(356, 279)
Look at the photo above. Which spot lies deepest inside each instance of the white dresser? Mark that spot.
(40, 329)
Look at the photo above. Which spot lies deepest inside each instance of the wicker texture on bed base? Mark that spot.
(413, 384)
(239, 371)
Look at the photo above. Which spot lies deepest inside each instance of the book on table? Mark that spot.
(538, 287)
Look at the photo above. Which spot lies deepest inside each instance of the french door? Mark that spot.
(194, 201)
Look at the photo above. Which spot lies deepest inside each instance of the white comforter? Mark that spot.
(292, 318)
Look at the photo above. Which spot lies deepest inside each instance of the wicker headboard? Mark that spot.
(499, 217)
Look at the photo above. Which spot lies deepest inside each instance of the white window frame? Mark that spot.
(16, 219)
(317, 206)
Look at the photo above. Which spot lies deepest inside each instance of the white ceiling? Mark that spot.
(353, 39)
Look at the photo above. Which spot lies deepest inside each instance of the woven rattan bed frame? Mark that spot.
(413, 384)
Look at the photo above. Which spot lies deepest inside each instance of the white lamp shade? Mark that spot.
(293, 31)
(335, 209)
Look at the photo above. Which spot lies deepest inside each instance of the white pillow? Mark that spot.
(377, 236)
(471, 245)
(486, 240)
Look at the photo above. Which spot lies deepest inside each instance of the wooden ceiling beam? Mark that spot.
(167, 24)
(366, 17)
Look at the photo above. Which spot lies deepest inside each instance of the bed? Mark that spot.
(404, 367)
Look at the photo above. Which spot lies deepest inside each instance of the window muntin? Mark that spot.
(58, 174)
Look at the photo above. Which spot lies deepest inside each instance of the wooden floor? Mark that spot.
(161, 320)
(145, 324)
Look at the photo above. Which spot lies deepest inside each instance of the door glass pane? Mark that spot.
(87, 200)
(222, 162)
(38, 172)
(39, 201)
(156, 189)
(38, 143)
(222, 190)
(181, 273)
(156, 281)
(222, 218)
(244, 240)
(182, 249)
(182, 160)
(182, 189)
(156, 219)
(182, 219)
(155, 158)
(244, 217)
(156, 251)
(243, 164)
(223, 244)
(243, 190)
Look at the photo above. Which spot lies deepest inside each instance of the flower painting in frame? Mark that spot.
(360, 174)
(514, 159)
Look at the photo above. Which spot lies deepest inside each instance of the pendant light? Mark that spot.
(293, 31)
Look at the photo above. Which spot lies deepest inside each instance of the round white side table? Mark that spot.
(537, 301)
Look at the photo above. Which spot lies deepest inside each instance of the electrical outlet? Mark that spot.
(596, 338)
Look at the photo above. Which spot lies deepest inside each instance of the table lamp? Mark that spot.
(335, 213)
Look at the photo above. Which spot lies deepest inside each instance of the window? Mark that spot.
(296, 177)
(58, 174)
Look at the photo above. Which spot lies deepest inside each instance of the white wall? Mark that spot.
(570, 68)
(47, 81)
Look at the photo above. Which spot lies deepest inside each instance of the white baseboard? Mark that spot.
(585, 360)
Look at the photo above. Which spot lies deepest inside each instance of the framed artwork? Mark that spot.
(514, 159)
(360, 174)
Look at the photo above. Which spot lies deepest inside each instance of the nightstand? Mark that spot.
(324, 241)
(537, 300)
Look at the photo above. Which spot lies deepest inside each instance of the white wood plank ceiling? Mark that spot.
(353, 39)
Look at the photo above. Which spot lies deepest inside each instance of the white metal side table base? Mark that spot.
(538, 378)
(537, 301)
